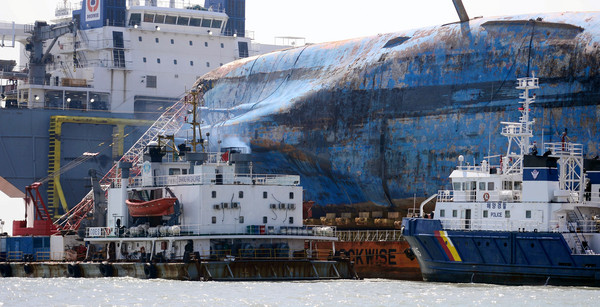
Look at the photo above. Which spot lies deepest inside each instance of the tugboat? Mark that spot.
(529, 220)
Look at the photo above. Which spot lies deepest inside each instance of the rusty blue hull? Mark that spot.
(380, 119)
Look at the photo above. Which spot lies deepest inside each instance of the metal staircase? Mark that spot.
(170, 122)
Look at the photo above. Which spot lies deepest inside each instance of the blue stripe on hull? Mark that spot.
(515, 258)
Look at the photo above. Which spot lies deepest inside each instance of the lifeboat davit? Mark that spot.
(155, 207)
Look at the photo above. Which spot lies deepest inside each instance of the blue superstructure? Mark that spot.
(530, 219)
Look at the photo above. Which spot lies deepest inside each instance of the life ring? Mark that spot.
(486, 196)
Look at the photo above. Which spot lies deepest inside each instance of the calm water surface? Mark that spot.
(373, 292)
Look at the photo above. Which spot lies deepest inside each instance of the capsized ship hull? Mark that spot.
(383, 118)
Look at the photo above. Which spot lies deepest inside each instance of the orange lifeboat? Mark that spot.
(155, 207)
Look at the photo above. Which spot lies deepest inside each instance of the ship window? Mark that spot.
(171, 20)
(205, 44)
(139, 38)
(206, 23)
(443, 213)
(518, 185)
(222, 45)
(158, 60)
(265, 194)
(456, 186)
(207, 64)
(144, 59)
(191, 43)
(159, 19)
(214, 219)
(482, 186)
(175, 62)
(148, 17)
(151, 81)
(217, 23)
(174, 171)
(507, 185)
(135, 19)
(291, 220)
(172, 41)
(195, 22)
(507, 214)
(241, 194)
(214, 194)
(528, 214)
(191, 63)
(241, 220)
(490, 186)
(183, 21)
(291, 195)
(265, 220)
(454, 213)
(156, 40)
(485, 213)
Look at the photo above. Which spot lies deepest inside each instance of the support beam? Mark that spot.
(460, 9)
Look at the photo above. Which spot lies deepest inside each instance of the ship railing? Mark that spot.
(491, 224)
(203, 179)
(203, 230)
(369, 235)
(565, 148)
(578, 226)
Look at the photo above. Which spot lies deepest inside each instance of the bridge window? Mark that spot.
(195, 22)
(214, 219)
(159, 19)
(507, 214)
(135, 19)
(454, 213)
(206, 23)
(528, 214)
(214, 194)
(482, 186)
(148, 17)
(183, 21)
(241, 194)
(171, 20)
(490, 186)
(485, 213)
(456, 186)
(442, 213)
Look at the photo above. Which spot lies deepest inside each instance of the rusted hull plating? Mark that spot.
(243, 270)
(382, 118)
(385, 259)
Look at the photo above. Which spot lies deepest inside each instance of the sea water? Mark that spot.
(368, 292)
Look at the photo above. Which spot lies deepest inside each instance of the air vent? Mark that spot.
(281, 206)
(235, 205)
(225, 205)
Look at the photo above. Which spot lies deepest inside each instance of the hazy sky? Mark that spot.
(330, 20)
